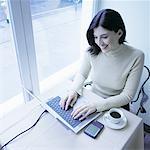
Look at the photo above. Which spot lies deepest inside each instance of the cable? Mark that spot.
(24, 130)
(144, 98)
(142, 87)
(144, 95)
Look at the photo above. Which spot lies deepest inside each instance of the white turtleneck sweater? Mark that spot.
(115, 75)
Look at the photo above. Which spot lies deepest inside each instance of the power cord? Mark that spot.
(24, 130)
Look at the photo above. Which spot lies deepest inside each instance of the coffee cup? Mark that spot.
(115, 115)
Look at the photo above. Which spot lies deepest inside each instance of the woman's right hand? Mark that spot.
(69, 100)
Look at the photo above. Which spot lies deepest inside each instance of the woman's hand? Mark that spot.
(70, 100)
(83, 111)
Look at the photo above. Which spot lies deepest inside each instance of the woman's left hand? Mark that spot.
(83, 111)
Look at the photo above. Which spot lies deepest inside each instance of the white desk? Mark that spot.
(51, 134)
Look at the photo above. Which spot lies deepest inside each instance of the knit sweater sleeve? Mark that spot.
(129, 90)
(82, 73)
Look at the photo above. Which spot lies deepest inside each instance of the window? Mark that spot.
(10, 84)
(37, 54)
(56, 28)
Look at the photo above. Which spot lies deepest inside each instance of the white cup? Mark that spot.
(115, 115)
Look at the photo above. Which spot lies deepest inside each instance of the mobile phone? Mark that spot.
(93, 129)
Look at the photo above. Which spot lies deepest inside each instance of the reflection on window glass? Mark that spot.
(56, 27)
(9, 73)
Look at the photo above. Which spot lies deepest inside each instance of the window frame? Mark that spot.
(21, 24)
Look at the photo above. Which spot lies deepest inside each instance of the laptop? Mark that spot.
(53, 107)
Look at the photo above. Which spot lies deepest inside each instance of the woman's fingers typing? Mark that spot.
(86, 114)
(63, 102)
(68, 101)
(82, 112)
(73, 101)
(77, 110)
(79, 113)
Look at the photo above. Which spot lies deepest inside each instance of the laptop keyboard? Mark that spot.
(65, 114)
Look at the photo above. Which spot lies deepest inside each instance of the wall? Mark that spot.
(136, 15)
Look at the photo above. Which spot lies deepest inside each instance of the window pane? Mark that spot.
(9, 73)
(56, 27)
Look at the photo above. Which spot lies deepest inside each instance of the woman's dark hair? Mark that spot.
(108, 19)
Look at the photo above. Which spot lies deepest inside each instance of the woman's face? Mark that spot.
(107, 40)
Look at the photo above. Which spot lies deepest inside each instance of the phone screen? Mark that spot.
(93, 129)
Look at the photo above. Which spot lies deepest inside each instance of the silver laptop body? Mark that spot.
(79, 126)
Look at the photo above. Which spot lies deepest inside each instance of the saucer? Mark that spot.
(111, 125)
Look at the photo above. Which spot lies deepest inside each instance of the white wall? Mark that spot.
(136, 15)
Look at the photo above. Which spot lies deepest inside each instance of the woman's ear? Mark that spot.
(120, 32)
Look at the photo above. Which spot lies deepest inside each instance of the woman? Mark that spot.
(115, 67)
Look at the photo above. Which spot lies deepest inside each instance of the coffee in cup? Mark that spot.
(115, 115)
